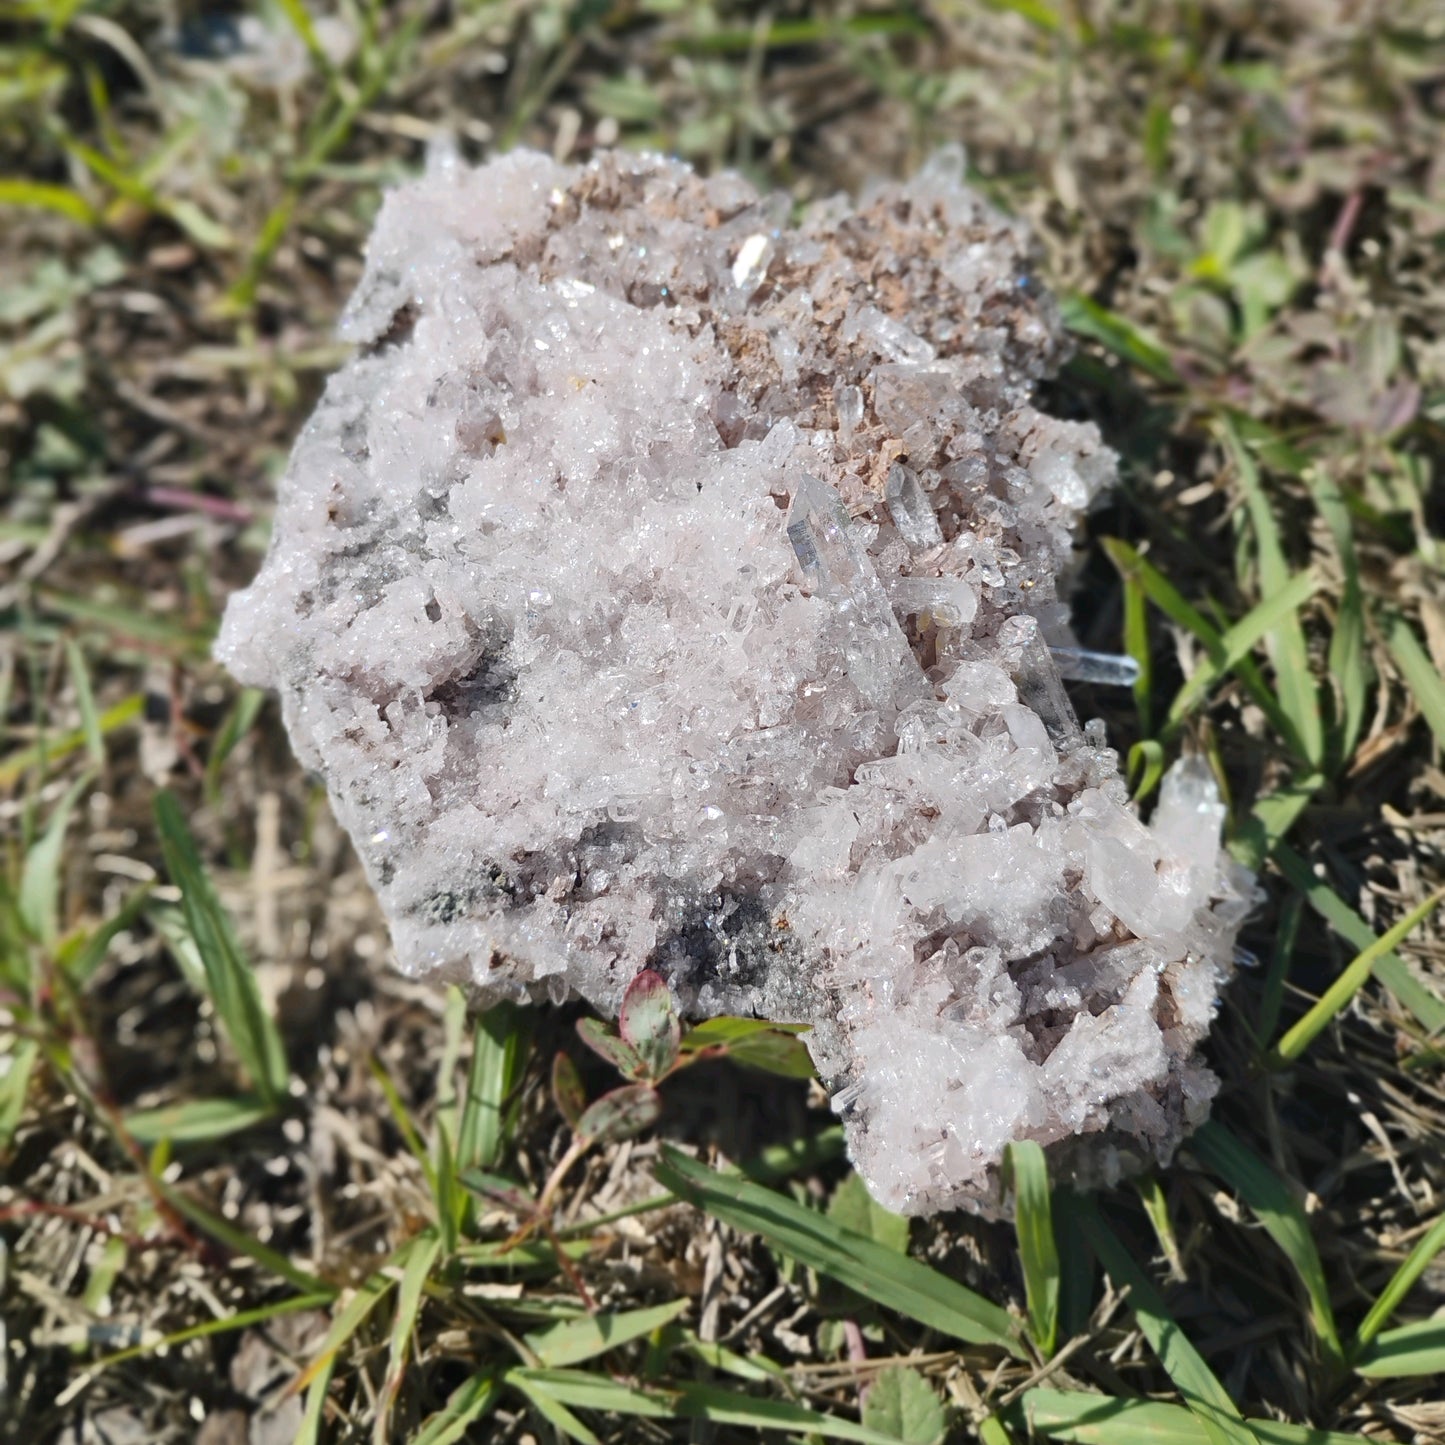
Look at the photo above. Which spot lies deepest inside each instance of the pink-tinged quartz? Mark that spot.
(670, 583)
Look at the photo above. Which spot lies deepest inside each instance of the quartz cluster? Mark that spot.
(669, 581)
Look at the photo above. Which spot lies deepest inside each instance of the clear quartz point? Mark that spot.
(911, 509)
(1107, 669)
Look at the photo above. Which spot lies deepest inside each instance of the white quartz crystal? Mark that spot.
(667, 583)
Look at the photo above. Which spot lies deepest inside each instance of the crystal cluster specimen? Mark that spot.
(666, 583)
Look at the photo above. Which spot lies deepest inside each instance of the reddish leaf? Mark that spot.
(599, 1037)
(567, 1091)
(500, 1190)
(621, 1114)
(649, 1022)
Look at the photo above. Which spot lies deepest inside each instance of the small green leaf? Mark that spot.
(567, 1091)
(570, 1342)
(854, 1208)
(1026, 1172)
(866, 1267)
(773, 1052)
(498, 1188)
(754, 1043)
(198, 1120)
(648, 1023)
(903, 1404)
(621, 1114)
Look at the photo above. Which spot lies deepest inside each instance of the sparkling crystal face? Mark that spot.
(662, 585)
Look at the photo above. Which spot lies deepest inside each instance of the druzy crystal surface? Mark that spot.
(669, 582)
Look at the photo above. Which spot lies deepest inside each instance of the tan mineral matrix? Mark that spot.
(669, 581)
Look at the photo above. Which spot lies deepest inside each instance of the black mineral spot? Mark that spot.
(728, 938)
(490, 680)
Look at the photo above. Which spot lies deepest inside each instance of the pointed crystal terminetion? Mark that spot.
(911, 509)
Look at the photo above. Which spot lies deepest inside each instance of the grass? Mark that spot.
(251, 1179)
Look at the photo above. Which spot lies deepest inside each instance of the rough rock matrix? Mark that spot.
(663, 584)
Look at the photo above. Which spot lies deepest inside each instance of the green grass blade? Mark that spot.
(1352, 978)
(309, 1431)
(1390, 969)
(1185, 1366)
(425, 1249)
(197, 1120)
(234, 726)
(15, 765)
(239, 1242)
(499, 1059)
(1295, 684)
(1026, 1171)
(542, 1397)
(1425, 683)
(1417, 1349)
(37, 195)
(354, 1313)
(1135, 568)
(467, 1404)
(1104, 1420)
(582, 1390)
(1136, 645)
(1270, 1200)
(85, 703)
(17, 1064)
(570, 1342)
(869, 1269)
(1348, 662)
(229, 979)
(1156, 1210)
(1238, 641)
(1086, 317)
(81, 956)
(41, 876)
(1405, 1278)
(226, 1324)
(1286, 936)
